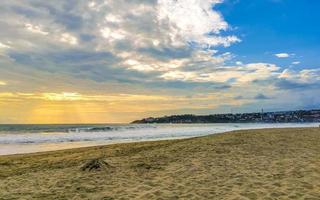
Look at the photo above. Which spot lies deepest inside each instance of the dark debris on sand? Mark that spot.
(96, 165)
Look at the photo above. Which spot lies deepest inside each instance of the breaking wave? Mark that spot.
(37, 134)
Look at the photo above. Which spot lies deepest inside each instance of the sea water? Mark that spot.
(16, 139)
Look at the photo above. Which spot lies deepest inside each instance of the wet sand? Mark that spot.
(253, 164)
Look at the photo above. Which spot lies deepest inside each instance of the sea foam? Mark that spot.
(131, 132)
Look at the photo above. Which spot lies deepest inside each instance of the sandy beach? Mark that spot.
(253, 164)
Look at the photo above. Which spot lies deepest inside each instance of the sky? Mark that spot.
(114, 61)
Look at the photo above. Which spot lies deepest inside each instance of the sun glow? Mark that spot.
(65, 96)
(75, 107)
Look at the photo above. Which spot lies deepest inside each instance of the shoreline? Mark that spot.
(11, 144)
(97, 144)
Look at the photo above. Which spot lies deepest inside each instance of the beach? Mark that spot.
(282, 163)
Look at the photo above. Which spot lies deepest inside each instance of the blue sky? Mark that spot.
(268, 27)
(80, 61)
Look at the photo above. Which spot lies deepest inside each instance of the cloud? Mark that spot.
(302, 76)
(2, 83)
(35, 29)
(202, 25)
(236, 74)
(296, 62)
(68, 38)
(146, 36)
(3, 49)
(304, 79)
(282, 55)
(261, 97)
(285, 84)
(74, 96)
(239, 97)
(4, 46)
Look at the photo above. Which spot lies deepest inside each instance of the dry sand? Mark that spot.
(255, 164)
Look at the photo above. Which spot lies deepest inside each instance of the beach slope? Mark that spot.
(254, 164)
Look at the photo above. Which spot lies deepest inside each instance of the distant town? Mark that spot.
(259, 117)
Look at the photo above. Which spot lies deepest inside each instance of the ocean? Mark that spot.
(18, 139)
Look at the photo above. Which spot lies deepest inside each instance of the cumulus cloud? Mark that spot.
(201, 25)
(132, 30)
(139, 41)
